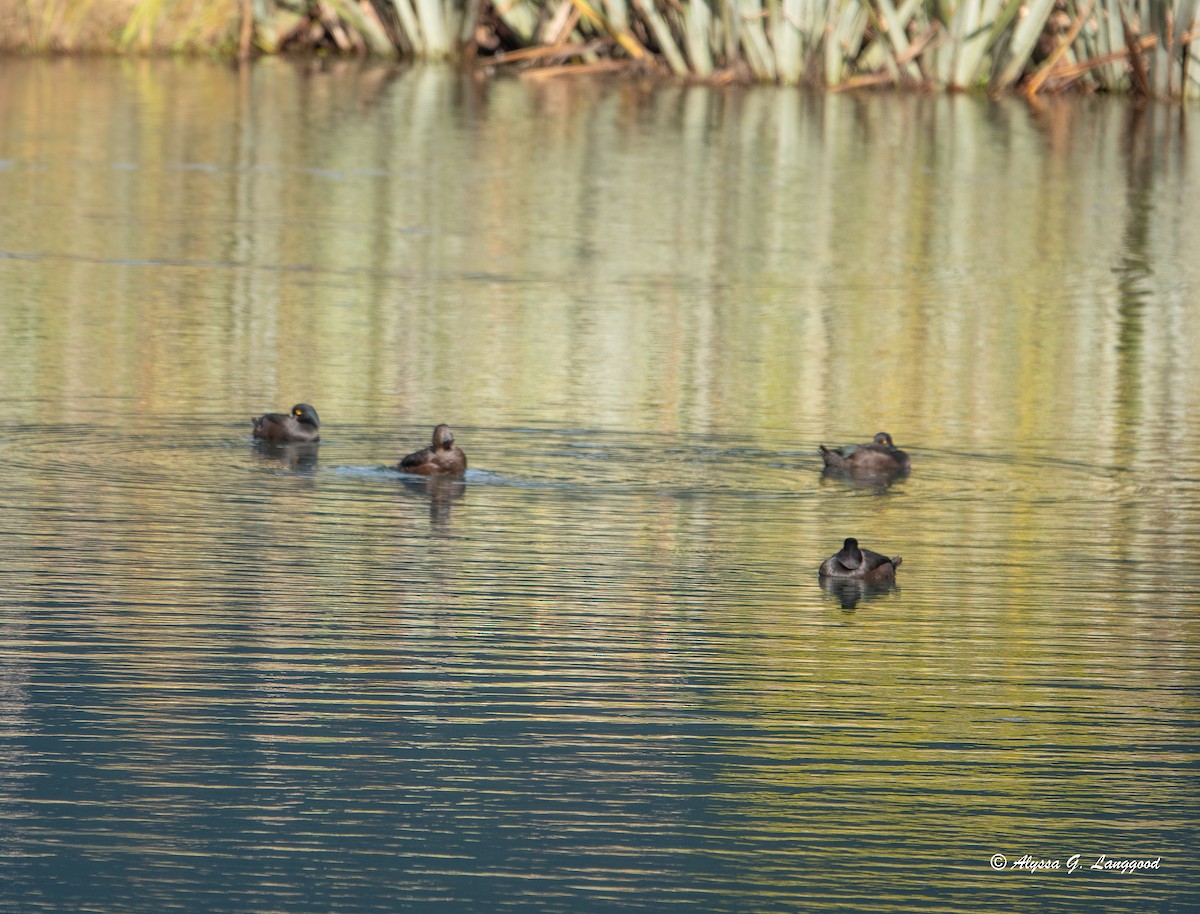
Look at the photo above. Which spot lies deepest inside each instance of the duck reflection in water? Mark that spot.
(442, 492)
(851, 591)
(877, 464)
(297, 457)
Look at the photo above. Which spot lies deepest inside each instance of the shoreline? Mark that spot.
(1043, 47)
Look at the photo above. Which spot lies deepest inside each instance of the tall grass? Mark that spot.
(94, 26)
(1145, 47)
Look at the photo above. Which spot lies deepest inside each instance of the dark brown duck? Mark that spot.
(442, 458)
(880, 456)
(852, 561)
(301, 424)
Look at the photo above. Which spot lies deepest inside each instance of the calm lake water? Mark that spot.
(598, 673)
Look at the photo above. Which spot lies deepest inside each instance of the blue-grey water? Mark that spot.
(599, 672)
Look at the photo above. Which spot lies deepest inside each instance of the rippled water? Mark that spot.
(599, 672)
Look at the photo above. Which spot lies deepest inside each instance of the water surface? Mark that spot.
(599, 672)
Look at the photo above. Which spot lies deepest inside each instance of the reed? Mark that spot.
(1143, 47)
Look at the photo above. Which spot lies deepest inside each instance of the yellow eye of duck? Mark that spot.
(296, 412)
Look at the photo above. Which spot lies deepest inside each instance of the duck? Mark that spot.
(301, 424)
(442, 458)
(879, 456)
(852, 561)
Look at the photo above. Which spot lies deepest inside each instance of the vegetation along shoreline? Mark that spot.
(1142, 48)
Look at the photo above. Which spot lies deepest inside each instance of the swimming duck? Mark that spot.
(301, 424)
(443, 457)
(855, 562)
(880, 456)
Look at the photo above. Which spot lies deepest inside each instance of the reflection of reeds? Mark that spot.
(1140, 46)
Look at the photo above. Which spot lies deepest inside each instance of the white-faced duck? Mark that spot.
(880, 456)
(442, 458)
(855, 562)
(301, 424)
